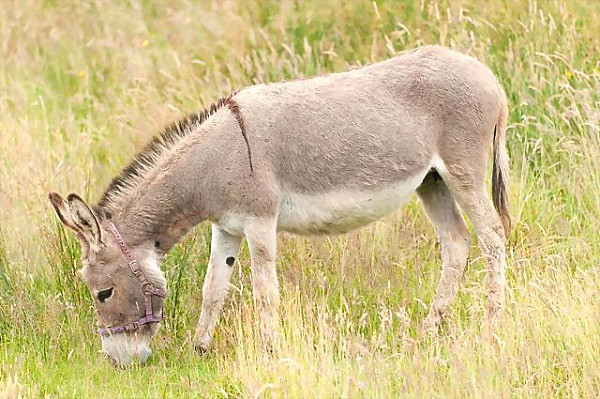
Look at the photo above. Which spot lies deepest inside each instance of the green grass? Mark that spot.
(85, 85)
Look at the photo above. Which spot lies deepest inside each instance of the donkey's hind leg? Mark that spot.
(471, 195)
(454, 241)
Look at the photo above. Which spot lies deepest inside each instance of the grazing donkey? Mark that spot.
(316, 156)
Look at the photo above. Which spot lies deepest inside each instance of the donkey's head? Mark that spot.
(126, 283)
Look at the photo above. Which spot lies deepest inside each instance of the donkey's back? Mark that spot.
(348, 148)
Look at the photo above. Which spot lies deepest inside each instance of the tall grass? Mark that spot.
(86, 84)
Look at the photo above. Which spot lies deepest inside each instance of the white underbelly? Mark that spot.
(343, 210)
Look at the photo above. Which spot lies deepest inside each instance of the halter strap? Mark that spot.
(148, 289)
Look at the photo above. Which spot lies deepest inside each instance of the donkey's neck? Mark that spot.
(159, 195)
(163, 209)
(168, 200)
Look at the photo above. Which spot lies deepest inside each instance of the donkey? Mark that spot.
(315, 156)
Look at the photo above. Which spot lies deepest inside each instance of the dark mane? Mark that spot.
(146, 159)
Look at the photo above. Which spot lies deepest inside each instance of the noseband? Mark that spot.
(147, 287)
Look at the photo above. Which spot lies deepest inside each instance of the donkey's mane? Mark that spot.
(146, 160)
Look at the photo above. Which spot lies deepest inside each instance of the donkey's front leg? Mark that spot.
(262, 242)
(223, 249)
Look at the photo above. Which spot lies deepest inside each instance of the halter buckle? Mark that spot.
(134, 267)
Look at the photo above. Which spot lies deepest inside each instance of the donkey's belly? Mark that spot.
(342, 210)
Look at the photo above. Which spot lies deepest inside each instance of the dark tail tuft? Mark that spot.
(500, 173)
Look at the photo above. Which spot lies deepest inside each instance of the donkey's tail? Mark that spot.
(500, 168)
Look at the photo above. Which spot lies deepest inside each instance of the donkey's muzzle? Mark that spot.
(124, 349)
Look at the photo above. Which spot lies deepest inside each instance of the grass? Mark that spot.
(84, 85)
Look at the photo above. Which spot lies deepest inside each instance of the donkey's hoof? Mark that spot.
(201, 350)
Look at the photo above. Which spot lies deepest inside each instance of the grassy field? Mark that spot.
(85, 85)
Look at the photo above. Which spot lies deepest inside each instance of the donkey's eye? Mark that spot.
(105, 294)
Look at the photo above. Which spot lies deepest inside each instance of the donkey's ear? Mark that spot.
(85, 220)
(64, 213)
(75, 214)
(62, 210)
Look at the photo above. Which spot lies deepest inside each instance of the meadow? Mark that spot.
(84, 85)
